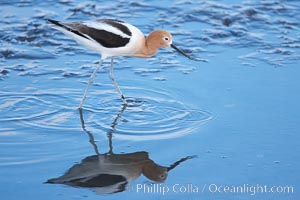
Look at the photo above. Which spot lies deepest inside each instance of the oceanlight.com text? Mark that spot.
(212, 188)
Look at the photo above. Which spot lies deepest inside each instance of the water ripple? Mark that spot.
(38, 110)
(151, 116)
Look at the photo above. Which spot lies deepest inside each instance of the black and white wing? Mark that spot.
(107, 33)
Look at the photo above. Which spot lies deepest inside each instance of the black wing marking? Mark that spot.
(103, 37)
(117, 24)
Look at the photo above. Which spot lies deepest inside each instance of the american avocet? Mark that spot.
(113, 38)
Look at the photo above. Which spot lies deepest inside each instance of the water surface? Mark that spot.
(230, 121)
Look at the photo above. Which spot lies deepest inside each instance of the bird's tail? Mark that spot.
(66, 27)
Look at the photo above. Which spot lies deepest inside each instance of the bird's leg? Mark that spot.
(111, 75)
(90, 83)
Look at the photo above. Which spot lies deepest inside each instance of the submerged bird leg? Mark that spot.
(90, 83)
(111, 75)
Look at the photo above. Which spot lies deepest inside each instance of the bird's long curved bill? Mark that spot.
(182, 52)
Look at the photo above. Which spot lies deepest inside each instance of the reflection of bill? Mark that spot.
(109, 172)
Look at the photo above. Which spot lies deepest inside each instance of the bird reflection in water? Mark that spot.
(109, 172)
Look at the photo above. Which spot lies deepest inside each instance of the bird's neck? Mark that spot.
(146, 52)
(151, 47)
(147, 49)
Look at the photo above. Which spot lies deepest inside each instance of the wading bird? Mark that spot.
(112, 38)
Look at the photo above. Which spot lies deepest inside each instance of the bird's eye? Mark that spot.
(162, 176)
(166, 38)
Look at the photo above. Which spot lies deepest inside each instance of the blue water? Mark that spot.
(190, 128)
